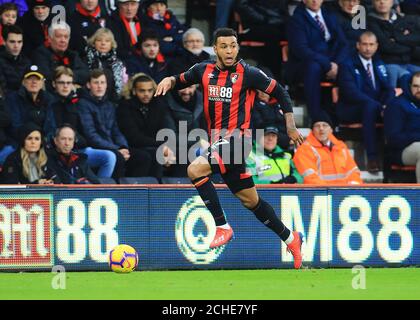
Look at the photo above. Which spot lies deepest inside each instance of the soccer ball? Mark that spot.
(123, 259)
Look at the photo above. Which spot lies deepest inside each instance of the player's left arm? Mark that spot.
(259, 80)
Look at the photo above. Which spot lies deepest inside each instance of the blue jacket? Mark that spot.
(355, 86)
(158, 70)
(307, 43)
(99, 123)
(402, 123)
(174, 29)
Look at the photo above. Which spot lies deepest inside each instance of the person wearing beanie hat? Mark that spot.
(29, 164)
(322, 117)
(35, 23)
(323, 159)
(169, 29)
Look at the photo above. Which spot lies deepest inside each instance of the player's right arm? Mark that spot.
(183, 80)
(165, 85)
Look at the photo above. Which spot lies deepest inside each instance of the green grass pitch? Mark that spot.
(393, 283)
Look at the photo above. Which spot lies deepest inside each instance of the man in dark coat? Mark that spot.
(398, 37)
(365, 90)
(84, 22)
(317, 45)
(35, 23)
(58, 54)
(100, 127)
(402, 125)
(141, 117)
(126, 24)
(71, 167)
(191, 53)
(150, 61)
(165, 23)
(12, 61)
(30, 104)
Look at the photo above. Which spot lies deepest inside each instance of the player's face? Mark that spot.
(14, 43)
(8, 18)
(226, 50)
(321, 131)
(33, 142)
(313, 5)
(367, 46)
(187, 93)
(415, 87)
(144, 91)
(63, 85)
(150, 48)
(97, 86)
(65, 140)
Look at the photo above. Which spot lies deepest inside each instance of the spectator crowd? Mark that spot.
(77, 98)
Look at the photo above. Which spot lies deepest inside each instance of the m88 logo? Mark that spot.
(219, 92)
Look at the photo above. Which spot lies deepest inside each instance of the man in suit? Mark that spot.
(365, 90)
(317, 45)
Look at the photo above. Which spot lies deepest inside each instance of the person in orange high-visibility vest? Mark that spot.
(323, 159)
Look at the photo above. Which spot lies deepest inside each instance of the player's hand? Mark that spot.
(164, 86)
(168, 156)
(295, 136)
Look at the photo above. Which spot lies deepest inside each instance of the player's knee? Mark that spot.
(250, 203)
(195, 171)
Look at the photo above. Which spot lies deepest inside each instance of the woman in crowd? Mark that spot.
(101, 53)
(29, 164)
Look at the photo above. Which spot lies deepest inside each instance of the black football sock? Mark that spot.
(266, 214)
(208, 193)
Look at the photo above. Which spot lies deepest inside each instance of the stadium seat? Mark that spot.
(139, 180)
(107, 181)
(176, 180)
(399, 174)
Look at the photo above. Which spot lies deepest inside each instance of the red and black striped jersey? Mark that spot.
(229, 94)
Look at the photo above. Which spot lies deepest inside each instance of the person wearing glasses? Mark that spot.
(65, 111)
(192, 51)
